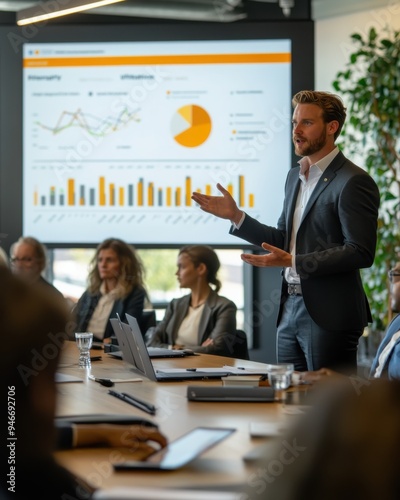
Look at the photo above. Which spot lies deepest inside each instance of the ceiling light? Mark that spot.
(182, 10)
(49, 10)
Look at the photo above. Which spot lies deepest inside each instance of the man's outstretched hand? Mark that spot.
(276, 257)
(221, 206)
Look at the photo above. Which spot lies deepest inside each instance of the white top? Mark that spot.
(98, 321)
(189, 330)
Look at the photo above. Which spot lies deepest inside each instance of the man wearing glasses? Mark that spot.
(387, 359)
(394, 279)
(28, 261)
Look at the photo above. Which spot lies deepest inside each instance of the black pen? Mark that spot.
(142, 405)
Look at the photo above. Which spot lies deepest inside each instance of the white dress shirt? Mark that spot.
(309, 176)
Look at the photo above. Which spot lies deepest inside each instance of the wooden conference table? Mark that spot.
(222, 465)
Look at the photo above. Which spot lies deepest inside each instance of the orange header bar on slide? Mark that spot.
(279, 57)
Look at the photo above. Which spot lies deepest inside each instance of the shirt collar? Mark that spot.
(321, 164)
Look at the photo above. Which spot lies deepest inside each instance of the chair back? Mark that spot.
(148, 320)
(239, 345)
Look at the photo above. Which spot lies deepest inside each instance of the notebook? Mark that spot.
(135, 353)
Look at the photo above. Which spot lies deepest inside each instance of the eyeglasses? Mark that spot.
(392, 274)
(24, 260)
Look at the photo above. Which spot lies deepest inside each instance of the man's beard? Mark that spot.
(311, 147)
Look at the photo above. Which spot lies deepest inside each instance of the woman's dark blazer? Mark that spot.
(218, 321)
(132, 304)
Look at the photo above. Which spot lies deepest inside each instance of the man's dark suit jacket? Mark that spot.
(336, 238)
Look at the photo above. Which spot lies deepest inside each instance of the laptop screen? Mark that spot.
(133, 348)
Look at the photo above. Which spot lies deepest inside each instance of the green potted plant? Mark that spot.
(370, 86)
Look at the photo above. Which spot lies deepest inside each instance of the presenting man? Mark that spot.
(324, 236)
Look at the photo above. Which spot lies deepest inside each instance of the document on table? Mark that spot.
(164, 494)
(62, 378)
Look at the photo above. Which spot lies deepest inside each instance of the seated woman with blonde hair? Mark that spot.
(115, 285)
(203, 320)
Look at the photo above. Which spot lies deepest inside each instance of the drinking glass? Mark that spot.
(280, 377)
(84, 342)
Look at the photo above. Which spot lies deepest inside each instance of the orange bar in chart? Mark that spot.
(102, 191)
(188, 191)
(208, 189)
(71, 192)
(191, 126)
(140, 193)
(121, 196)
(230, 189)
(35, 197)
(112, 194)
(178, 193)
(251, 200)
(241, 191)
(150, 194)
(169, 197)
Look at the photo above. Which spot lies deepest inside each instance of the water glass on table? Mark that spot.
(280, 377)
(84, 341)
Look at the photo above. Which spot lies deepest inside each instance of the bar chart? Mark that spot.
(143, 193)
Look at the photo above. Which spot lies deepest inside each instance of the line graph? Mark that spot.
(94, 125)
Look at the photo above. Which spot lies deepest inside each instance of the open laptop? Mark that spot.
(135, 353)
(154, 352)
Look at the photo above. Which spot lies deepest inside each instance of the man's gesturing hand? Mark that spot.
(222, 206)
(275, 258)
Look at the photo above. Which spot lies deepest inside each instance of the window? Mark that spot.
(70, 266)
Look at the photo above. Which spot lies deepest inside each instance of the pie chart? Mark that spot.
(191, 126)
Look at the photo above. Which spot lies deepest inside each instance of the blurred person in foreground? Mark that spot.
(115, 285)
(345, 446)
(30, 321)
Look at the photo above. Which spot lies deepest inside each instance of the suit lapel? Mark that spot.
(324, 181)
(291, 195)
(205, 317)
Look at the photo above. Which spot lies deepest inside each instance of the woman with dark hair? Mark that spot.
(115, 285)
(202, 321)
